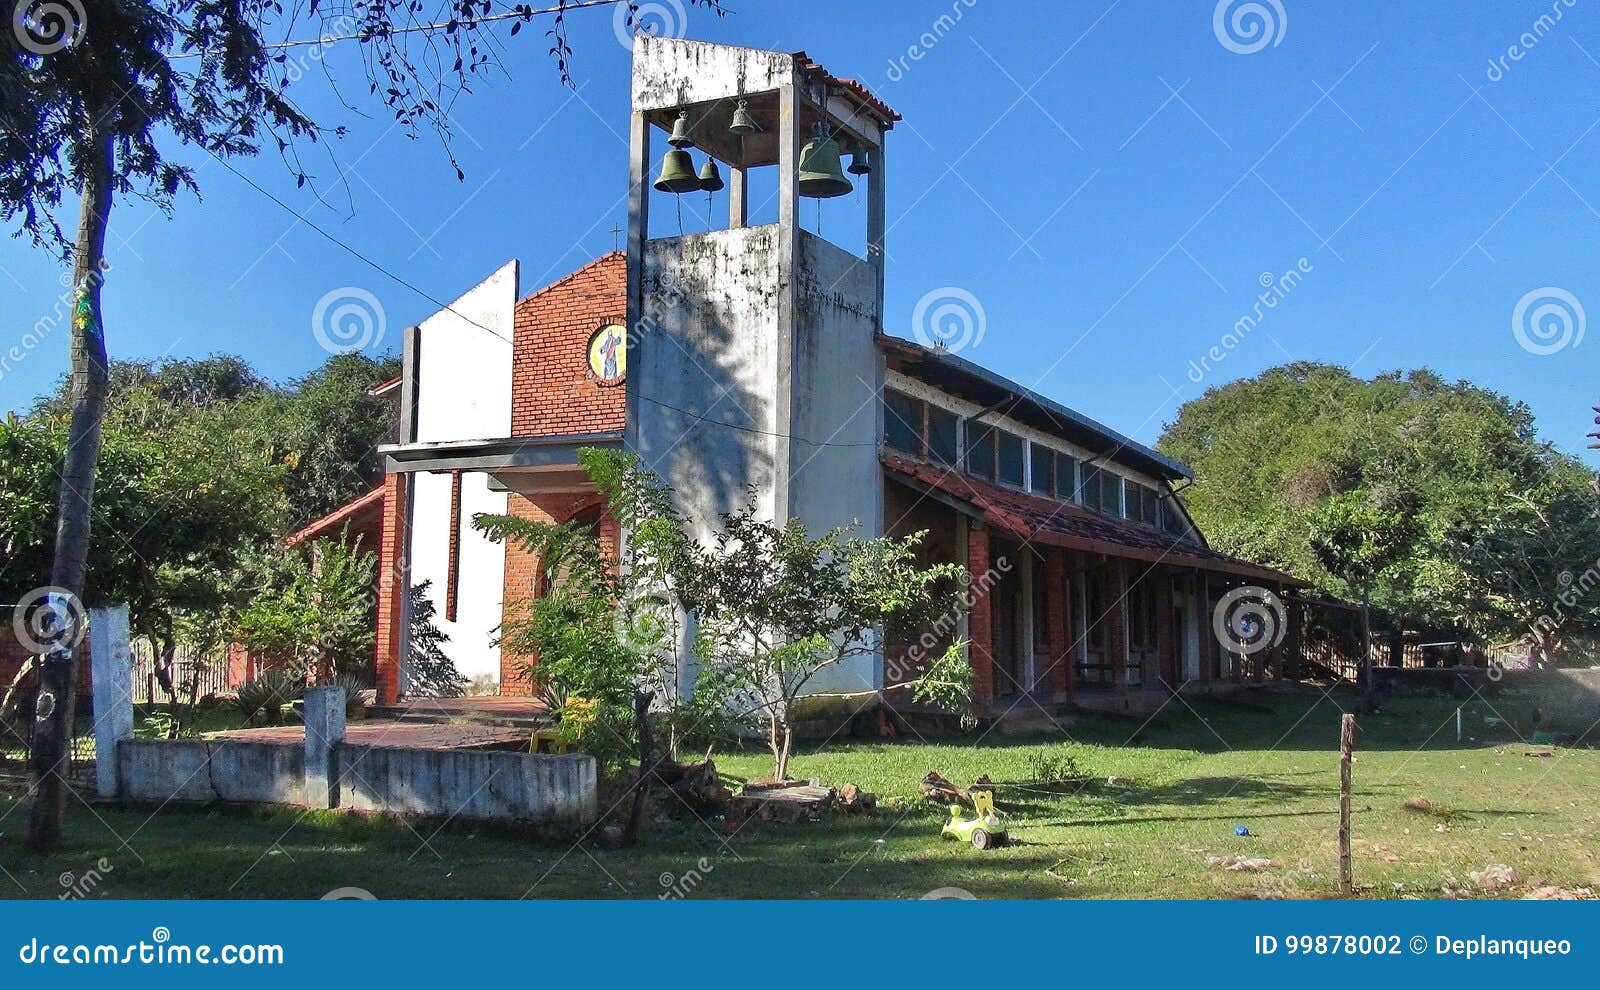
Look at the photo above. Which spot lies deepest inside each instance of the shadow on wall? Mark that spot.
(709, 334)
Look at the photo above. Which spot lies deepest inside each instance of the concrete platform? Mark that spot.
(515, 712)
(396, 733)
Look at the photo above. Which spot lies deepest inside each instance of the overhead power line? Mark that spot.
(419, 28)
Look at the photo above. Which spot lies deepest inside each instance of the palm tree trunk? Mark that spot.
(52, 735)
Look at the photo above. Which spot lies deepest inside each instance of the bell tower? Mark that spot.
(751, 355)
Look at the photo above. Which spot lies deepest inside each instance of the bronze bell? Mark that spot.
(710, 176)
(743, 123)
(680, 132)
(860, 162)
(821, 175)
(677, 173)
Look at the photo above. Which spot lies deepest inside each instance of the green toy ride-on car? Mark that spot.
(984, 830)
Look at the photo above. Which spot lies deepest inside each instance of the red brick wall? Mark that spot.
(1116, 618)
(392, 584)
(1057, 623)
(980, 625)
(522, 567)
(552, 391)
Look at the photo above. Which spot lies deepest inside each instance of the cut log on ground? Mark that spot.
(698, 784)
(782, 804)
(854, 801)
(936, 788)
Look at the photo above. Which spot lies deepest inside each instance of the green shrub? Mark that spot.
(1051, 765)
(267, 694)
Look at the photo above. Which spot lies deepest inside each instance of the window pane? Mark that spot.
(980, 450)
(1111, 494)
(1149, 507)
(942, 435)
(1010, 458)
(1043, 461)
(1066, 477)
(1090, 493)
(902, 423)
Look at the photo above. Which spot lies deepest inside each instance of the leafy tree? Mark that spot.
(188, 496)
(319, 617)
(776, 607)
(432, 673)
(1434, 501)
(96, 108)
(328, 431)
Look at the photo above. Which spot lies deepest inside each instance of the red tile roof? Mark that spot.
(365, 514)
(1048, 522)
(861, 93)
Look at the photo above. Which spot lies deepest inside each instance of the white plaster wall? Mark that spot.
(835, 478)
(705, 369)
(672, 72)
(464, 393)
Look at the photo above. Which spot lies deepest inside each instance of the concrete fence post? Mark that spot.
(111, 680)
(324, 713)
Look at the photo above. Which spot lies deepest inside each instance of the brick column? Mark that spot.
(1056, 611)
(1072, 573)
(520, 578)
(1166, 634)
(980, 627)
(393, 582)
(1116, 621)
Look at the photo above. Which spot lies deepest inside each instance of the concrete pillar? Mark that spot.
(980, 624)
(738, 198)
(877, 227)
(789, 144)
(393, 582)
(111, 665)
(324, 712)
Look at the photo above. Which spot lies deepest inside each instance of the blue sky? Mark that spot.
(1110, 181)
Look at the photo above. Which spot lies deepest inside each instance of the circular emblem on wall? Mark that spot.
(608, 353)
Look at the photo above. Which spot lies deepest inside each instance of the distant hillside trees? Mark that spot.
(1433, 499)
(205, 467)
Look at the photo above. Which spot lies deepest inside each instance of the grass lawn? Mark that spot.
(1162, 799)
